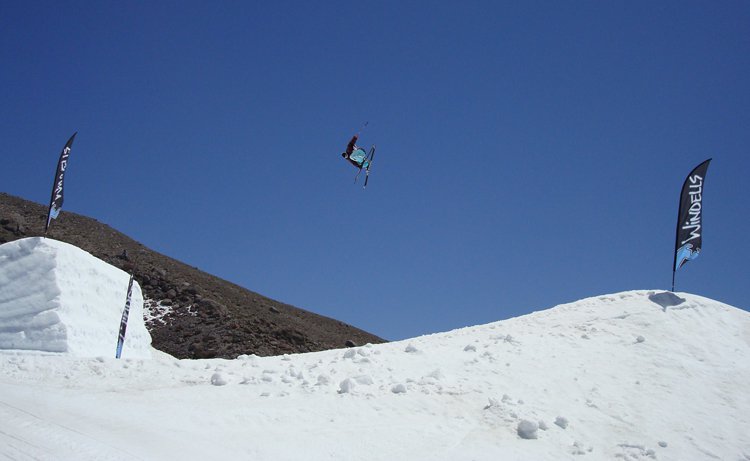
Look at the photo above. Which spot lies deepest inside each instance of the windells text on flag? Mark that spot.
(56, 201)
(690, 218)
(124, 319)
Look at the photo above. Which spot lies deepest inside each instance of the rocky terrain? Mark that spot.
(190, 314)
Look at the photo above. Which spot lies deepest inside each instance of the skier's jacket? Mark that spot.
(355, 155)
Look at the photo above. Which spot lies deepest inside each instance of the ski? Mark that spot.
(370, 156)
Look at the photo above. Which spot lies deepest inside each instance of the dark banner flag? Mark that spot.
(56, 201)
(124, 320)
(690, 219)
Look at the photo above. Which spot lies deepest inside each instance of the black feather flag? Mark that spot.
(124, 319)
(689, 238)
(55, 204)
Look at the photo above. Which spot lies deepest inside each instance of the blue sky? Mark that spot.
(529, 153)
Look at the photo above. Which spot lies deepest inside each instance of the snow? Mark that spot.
(568, 383)
(57, 298)
(527, 429)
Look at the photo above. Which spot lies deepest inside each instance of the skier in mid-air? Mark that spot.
(355, 154)
(359, 157)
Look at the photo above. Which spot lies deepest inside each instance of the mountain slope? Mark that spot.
(193, 314)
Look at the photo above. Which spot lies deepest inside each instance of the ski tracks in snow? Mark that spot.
(31, 437)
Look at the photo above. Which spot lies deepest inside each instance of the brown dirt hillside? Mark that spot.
(198, 315)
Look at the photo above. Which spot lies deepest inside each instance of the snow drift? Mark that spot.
(640, 375)
(55, 297)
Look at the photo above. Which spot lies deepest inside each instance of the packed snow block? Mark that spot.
(55, 297)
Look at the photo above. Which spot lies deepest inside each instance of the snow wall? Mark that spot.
(55, 297)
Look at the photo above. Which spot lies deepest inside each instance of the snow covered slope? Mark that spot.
(638, 375)
(634, 376)
(55, 297)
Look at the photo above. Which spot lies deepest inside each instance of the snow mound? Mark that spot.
(573, 382)
(55, 297)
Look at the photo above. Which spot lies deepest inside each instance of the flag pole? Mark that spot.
(676, 242)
